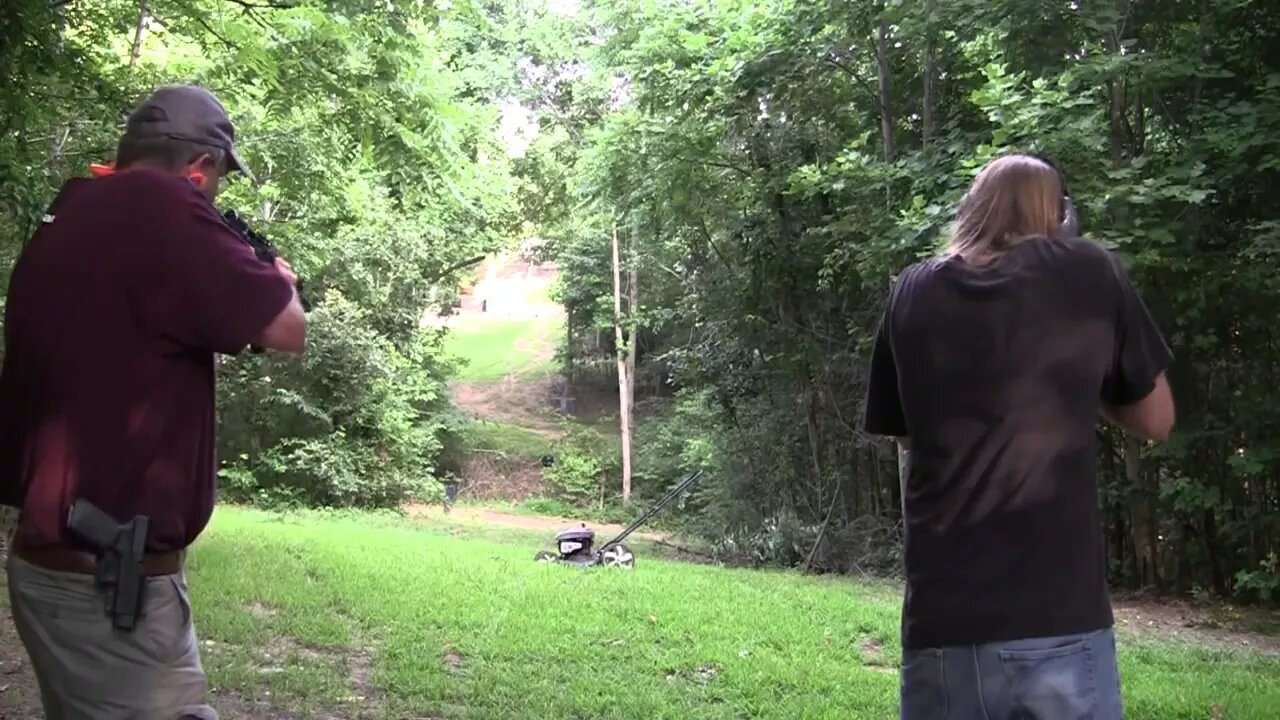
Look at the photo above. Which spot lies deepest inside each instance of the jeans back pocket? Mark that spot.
(1051, 682)
(924, 685)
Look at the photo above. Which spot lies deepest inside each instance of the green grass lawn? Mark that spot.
(492, 349)
(375, 616)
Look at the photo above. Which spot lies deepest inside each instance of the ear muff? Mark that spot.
(1070, 218)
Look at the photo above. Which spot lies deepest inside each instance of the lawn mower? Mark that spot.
(575, 544)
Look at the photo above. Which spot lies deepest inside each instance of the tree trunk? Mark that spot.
(886, 89)
(570, 350)
(624, 401)
(1144, 523)
(815, 440)
(1116, 108)
(633, 310)
(1217, 574)
(139, 34)
(1143, 561)
(928, 121)
(62, 131)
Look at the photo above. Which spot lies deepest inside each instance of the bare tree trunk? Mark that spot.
(633, 309)
(880, 486)
(884, 73)
(1142, 506)
(624, 401)
(822, 531)
(930, 75)
(1143, 556)
(139, 33)
(1116, 108)
(1201, 54)
(570, 368)
(62, 132)
(886, 89)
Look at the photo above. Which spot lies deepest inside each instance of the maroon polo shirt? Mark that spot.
(115, 311)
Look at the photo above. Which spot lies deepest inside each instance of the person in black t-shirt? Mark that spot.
(992, 365)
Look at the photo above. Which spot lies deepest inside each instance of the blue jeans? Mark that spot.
(1074, 677)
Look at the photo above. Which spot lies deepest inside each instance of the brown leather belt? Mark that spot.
(72, 561)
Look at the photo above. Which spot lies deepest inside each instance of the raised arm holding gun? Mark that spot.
(115, 311)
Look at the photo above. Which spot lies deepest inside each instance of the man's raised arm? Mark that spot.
(1136, 392)
(288, 331)
(211, 292)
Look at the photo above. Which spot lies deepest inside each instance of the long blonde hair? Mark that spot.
(1014, 197)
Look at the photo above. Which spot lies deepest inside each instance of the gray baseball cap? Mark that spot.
(190, 113)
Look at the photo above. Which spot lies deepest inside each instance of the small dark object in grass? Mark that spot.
(548, 460)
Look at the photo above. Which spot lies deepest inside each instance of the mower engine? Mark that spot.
(575, 544)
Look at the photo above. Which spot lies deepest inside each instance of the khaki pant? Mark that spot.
(87, 669)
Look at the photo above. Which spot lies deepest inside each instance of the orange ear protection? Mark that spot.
(97, 170)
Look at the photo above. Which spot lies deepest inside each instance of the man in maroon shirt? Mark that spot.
(115, 311)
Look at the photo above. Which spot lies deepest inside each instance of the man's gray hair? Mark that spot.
(164, 152)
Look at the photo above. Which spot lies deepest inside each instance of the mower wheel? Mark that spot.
(544, 556)
(618, 556)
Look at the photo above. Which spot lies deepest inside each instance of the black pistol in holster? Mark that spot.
(262, 247)
(120, 550)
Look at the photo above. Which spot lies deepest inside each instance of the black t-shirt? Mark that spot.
(998, 375)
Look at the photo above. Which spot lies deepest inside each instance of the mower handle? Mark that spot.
(666, 500)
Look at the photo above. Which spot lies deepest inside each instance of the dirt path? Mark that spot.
(1181, 622)
(19, 695)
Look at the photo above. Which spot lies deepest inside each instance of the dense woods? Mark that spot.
(768, 168)
(775, 165)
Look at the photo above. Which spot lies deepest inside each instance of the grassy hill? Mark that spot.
(377, 616)
(493, 349)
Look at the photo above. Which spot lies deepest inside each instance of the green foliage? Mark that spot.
(1264, 582)
(575, 476)
(582, 459)
(764, 194)
(767, 186)
(353, 421)
(380, 168)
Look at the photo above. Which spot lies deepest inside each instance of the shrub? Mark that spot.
(583, 461)
(1263, 583)
(353, 422)
(575, 476)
